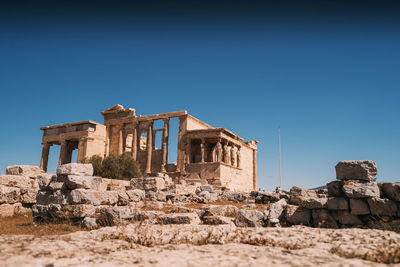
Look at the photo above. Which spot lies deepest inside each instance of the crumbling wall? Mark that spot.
(18, 189)
(93, 201)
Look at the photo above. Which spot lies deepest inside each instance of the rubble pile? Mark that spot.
(74, 194)
(18, 189)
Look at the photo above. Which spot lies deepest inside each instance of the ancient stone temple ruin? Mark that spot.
(204, 154)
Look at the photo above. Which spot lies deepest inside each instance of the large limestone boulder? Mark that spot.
(6, 210)
(392, 191)
(236, 196)
(44, 180)
(89, 223)
(249, 218)
(181, 189)
(313, 202)
(359, 207)
(356, 169)
(9, 194)
(45, 212)
(267, 197)
(77, 211)
(94, 197)
(110, 216)
(51, 197)
(150, 216)
(206, 187)
(275, 211)
(382, 207)
(297, 215)
(297, 195)
(338, 203)
(28, 196)
(148, 183)
(179, 218)
(216, 220)
(75, 169)
(359, 189)
(346, 218)
(26, 170)
(15, 181)
(335, 189)
(85, 182)
(220, 210)
(322, 218)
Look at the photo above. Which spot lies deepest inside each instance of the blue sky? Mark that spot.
(327, 74)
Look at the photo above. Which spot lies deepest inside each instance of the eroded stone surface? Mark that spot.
(380, 206)
(148, 183)
(223, 245)
(75, 169)
(359, 207)
(356, 169)
(249, 218)
(392, 190)
(298, 215)
(356, 189)
(26, 170)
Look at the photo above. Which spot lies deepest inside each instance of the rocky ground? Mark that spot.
(203, 245)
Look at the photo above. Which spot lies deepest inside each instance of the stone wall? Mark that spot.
(18, 189)
(240, 179)
(75, 195)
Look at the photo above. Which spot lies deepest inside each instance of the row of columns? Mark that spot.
(220, 153)
(150, 144)
(67, 147)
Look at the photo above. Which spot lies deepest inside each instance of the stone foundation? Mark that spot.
(94, 201)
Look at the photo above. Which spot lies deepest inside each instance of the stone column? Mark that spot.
(233, 155)
(203, 147)
(82, 146)
(154, 140)
(189, 151)
(149, 147)
(45, 157)
(134, 142)
(226, 152)
(63, 153)
(107, 144)
(238, 157)
(219, 150)
(123, 134)
(254, 169)
(180, 166)
(120, 140)
(165, 145)
(70, 148)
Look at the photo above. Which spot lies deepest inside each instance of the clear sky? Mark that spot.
(326, 72)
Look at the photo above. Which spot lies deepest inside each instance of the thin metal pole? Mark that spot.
(280, 156)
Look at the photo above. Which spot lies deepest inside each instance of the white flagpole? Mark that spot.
(280, 156)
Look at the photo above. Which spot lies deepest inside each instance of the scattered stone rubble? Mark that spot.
(18, 189)
(74, 194)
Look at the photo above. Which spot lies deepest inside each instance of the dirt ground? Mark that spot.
(23, 225)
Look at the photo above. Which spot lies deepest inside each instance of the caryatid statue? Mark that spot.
(238, 157)
(226, 153)
(219, 151)
(233, 155)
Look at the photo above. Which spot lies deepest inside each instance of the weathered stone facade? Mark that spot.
(204, 154)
